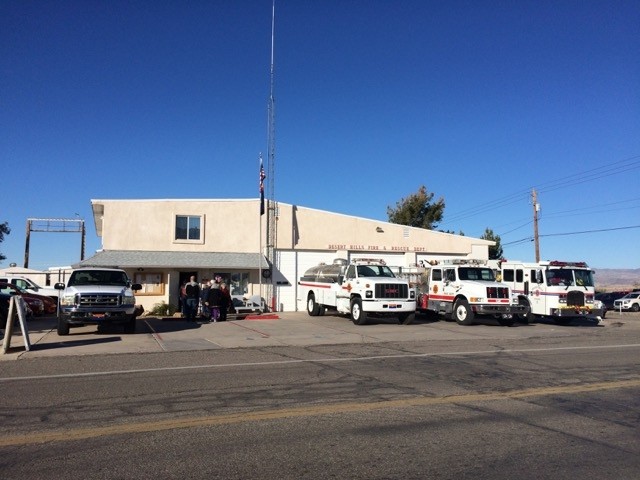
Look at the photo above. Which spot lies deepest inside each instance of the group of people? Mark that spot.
(210, 301)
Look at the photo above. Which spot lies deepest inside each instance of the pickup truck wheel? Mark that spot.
(358, 316)
(462, 312)
(313, 309)
(63, 327)
(130, 326)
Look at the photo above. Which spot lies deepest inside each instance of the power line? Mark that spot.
(530, 238)
(597, 173)
(589, 231)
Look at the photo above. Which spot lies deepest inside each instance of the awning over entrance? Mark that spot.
(177, 260)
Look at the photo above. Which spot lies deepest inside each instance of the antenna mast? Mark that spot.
(271, 154)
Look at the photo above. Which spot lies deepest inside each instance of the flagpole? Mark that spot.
(260, 232)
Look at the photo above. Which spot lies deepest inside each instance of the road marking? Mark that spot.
(262, 334)
(307, 411)
(314, 360)
(156, 336)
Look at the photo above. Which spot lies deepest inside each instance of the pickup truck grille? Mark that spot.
(497, 292)
(98, 300)
(392, 290)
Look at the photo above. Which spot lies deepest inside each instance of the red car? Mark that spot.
(39, 304)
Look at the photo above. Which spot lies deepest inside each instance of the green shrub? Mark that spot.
(163, 310)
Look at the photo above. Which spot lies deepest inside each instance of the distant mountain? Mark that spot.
(617, 278)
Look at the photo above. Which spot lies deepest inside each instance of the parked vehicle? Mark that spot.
(30, 286)
(35, 304)
(97, 296)
(460, 289)
(557, 290)
(631, 301)
(609, 297)
(363, 288)
(49, 305)
(5, 298)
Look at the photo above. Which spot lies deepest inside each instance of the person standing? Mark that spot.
(204, 293)
(225, 301)
(192, 294)
(213, 300)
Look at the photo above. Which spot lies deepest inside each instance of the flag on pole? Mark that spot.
(262, 177)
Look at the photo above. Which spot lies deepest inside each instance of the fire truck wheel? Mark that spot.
(462, 312)
(358, 316)
(313, 308)
(506, 322)
(528, 317)
(406, 318)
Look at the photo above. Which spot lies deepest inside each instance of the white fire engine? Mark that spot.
(462, 288)
(554, 289)
(363, 288)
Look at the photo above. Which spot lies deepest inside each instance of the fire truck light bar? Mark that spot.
(558, 263)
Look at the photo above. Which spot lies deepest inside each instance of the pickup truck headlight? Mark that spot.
(128, 300)
(67, 300)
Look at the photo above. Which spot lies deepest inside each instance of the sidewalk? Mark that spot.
(289, 328)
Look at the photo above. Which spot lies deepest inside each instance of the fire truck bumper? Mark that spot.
(583, 312)
(392, 307)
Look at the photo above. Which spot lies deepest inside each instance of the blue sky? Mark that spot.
(481, 102)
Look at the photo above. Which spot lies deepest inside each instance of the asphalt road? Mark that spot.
(430, 400)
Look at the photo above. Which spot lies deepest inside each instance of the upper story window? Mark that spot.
(188, 227)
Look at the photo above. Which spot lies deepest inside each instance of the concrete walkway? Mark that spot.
(290, 328)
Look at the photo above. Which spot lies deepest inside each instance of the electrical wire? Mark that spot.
(597, 173)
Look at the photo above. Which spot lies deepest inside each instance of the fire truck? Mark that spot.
(555, 289)
(363, 288)
(460, 289)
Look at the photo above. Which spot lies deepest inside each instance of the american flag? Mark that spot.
(262, 177)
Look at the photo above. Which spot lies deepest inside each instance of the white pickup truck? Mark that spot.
(97, 296)
(30, 286)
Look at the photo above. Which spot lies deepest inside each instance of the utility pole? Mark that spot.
(536, 209)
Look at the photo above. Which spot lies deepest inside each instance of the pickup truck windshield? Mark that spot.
(98, 277)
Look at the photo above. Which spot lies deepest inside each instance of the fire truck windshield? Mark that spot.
(567, 277)
(475, 273)
(374, 271)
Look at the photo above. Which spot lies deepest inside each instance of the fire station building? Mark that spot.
(161, 243)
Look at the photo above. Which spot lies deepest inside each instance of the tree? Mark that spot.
(4, 230)
(417, 210)
(495, 252)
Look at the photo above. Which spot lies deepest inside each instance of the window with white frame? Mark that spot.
(188, 228)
